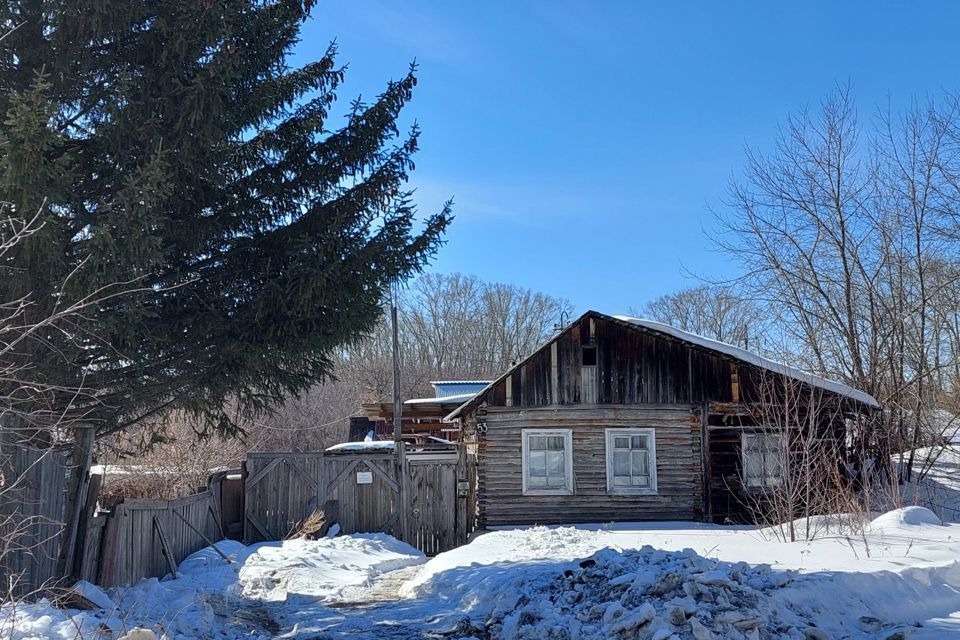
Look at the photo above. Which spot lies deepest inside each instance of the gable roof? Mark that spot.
(698, 341)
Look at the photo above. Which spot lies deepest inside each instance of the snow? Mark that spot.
(908, 515)
(898, 578)
(598, 582)
(302, 570)
(753, 358)
(366, 445)
(451, 399)
(93, 593)
(268, 586)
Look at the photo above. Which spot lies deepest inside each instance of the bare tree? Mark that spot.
(712, 311)
(850, 238)
(807, 486)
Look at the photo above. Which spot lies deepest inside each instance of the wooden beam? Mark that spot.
(554, 375)
(165, 547)
(263, 472)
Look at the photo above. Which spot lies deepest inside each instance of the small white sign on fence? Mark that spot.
(364, 477)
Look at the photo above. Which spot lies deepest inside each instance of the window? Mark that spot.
(547, 461)
(589, 356)
(762, 460)
(631, 461)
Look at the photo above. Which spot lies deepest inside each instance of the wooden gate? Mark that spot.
(417, 495)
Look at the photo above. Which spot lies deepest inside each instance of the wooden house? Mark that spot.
(421, 418)
(623, 419)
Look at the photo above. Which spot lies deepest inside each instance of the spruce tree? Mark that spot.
(177, 158)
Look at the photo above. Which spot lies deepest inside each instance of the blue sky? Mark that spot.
(585, 143)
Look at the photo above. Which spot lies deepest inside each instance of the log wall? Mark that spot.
(678, 458)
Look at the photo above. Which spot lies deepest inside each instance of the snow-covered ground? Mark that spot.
(264, 592)
(655, 580)
(899, 578)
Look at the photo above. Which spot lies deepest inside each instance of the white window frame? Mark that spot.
(762, 484)
(567, 435)
(650, 433)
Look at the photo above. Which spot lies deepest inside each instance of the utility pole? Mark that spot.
(397, 404)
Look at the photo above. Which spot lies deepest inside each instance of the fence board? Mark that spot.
(131, 548)
(411, 495)
(32, 516)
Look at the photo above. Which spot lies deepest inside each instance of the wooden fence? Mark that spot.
(419, 496)
(34, 510)
(148, 538)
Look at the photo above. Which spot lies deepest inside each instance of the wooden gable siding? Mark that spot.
(500, 468)
(633, 367)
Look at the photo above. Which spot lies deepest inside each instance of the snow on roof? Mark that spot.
(374, 445)
(454, 399)
(447, 388)
(754, 359)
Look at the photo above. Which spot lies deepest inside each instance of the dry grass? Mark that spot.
(309, 527)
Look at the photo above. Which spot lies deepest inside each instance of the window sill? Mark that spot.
(547, 492)
(761, 488)
(621, 491)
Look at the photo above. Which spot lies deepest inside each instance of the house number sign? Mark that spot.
(364, 477)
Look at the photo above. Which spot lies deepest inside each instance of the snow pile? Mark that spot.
(322, 570)
(910, 516)
(648, 593)
(901, 572)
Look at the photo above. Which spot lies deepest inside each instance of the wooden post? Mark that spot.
(403, 482)
(554, 374)
(107, 574)
(705, 459)
(86, 518)
(76, 502)
(397, 404)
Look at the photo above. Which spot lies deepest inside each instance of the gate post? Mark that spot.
(403, 481)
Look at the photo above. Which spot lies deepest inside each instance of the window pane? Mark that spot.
(641, 481)
(555, 463)
(538, 443)
(538, 463)
(537, 482)
(752, 464)
(771, 464)
(621, 442)
(621, 463)
(639, 463)
(638, 442)
(555, 443)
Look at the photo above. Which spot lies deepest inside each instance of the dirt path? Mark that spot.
(377, 612)
(373, 611)
(384, 588)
